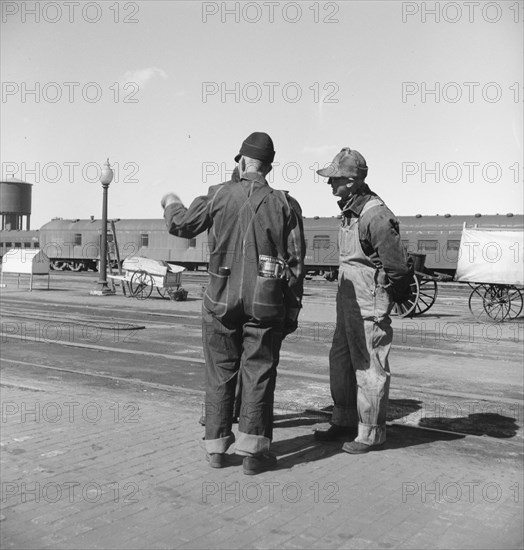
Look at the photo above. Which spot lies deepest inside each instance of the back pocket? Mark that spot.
(268, 299)
(216, 295)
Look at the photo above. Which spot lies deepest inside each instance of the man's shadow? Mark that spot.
(305, 448)
(490, 424)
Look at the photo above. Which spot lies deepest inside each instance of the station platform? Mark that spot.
(123, 466)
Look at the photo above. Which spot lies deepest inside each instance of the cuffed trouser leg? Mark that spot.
(222, 351)
(373, 378)
(259, 371)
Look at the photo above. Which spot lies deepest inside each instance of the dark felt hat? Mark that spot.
(259, 146)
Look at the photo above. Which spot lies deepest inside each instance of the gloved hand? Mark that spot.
(400, 295)
(168, 199)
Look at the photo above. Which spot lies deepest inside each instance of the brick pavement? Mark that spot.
(89, 466)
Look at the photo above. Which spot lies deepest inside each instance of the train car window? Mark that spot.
(18, 245)
(144, 239)
(8, 245)
(36, 244)
(321, 241)
(453, 245)
(427, 246)
(78, 239)
(27, 245)
(192, 243)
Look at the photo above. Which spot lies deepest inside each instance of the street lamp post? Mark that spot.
(106, 178)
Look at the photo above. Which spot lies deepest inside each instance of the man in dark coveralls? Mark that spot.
(256, 269)
(374, 272)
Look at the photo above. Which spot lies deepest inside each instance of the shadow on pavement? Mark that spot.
(398, 408)
(305, 448)
(302, 449)
(491, 424)
(400, 437)
(295, 420)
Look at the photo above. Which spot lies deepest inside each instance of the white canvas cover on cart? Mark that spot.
(491, 256)
(153, 267)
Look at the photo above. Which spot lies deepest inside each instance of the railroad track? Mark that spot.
(408, 338)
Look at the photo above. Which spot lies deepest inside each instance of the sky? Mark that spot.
(431, 94)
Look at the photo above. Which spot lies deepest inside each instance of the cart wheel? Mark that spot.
(164, 292)
(180, 295)
(497, 303)
(427, 297)
(516, 302)
(407, 307)
(476, 302)
(141, 285)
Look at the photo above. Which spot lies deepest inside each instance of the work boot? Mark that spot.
(216, 460)
(334, 432)
(253, 465)
(358, 448)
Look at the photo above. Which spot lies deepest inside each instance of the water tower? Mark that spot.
(15, 203)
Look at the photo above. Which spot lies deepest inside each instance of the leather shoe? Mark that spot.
(216, 460)
(253, 465)
(334, 432)
(358, 448)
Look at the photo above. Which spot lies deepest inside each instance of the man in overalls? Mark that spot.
(374, 272)
(256, 269)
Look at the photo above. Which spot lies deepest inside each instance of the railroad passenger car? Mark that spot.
(75, 244)
(18, 238)
(438, 237)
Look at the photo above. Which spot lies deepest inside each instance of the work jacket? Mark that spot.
(245, 219)
(379, 237)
